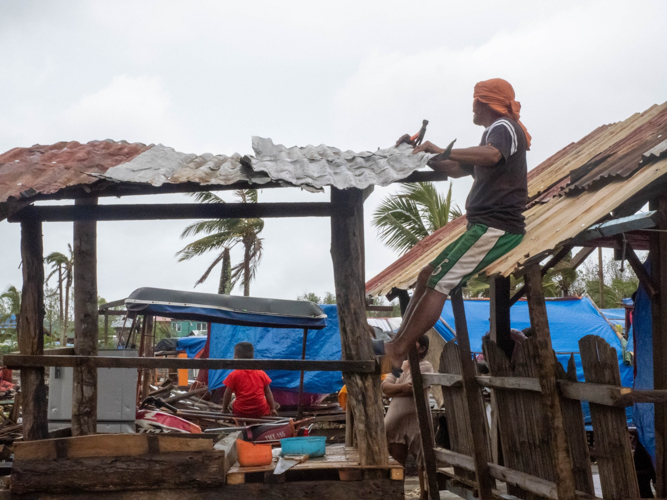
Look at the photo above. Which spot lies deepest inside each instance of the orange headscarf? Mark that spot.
(498, 94)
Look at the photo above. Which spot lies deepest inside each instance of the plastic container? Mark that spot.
(253, 455)
(313, 446)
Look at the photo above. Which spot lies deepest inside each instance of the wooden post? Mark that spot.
(500, 314)
(149, 353)
(106, 327)
(31, 334)
(476, 412)
(364, 392)
(537, 309)
(658, 249)
(425, 426)
(601, 277)
(299, 412)
(84, 387)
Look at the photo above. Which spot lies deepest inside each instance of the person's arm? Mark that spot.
(391, 389)
(482, 156)
(226, 399)
(269, 399)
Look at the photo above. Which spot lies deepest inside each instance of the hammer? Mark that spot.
(416, 139)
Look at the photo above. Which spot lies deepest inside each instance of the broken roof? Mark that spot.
(569, 192)
(66, 169)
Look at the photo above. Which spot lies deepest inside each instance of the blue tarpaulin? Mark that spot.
(642, 330)
(191, 345)
(569, 321)
(274, 343)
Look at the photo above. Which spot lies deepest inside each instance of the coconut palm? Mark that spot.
(64, 266)
(403, 220)
(221, 236)
(11, 306)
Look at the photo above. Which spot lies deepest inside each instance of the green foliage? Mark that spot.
(221, 235)
(403, 220)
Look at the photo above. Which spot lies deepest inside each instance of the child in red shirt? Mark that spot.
(253, 396)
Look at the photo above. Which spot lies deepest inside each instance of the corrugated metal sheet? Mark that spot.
(552, 217)
(163, 165)
(319, 166)
(25, 172)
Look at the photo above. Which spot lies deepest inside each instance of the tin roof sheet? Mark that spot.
(319, 166)
(556, 211)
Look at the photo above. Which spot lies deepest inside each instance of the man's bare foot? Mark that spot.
(395, 357)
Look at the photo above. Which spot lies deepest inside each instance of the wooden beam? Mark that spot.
(547, 373)
(581, 256)
(638, 267)
(34, 361)
(658, 252)
(31, 331)
(500, 314)
(473, 399)
(551, 263)
(425, 176)
(163, 211)
(84, 383)
(445, 379)
(613, 227)
(509, 383)
(364, 393)
(380, 308)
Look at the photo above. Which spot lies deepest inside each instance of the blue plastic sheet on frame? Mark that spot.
(275, 343)
(191, 345)
(569, 321)
(642, 331)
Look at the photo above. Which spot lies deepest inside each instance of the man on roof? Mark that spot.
(494, 208)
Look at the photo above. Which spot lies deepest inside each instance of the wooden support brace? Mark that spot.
(547, 373)
(473, 399)
(638, 267)
(551, 263)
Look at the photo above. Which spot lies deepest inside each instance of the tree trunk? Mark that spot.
(68, 286)
(60, 293)
(226, 273)
(246, 267)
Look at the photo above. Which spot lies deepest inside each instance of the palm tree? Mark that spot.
(221, 236)
(64, 266)
(403, 220)
(11, 300)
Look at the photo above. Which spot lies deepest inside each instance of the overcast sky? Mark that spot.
(204, 76)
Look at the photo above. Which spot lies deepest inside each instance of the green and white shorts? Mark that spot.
(474, 250)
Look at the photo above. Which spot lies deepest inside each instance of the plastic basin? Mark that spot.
(253, 455)
(313, 446)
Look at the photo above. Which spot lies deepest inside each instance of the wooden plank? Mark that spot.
(510, 383)
(525, 481)
(380, 308)
(59, 351)
(363, 389)
(577, 440)
(475, 410)
(602, 394)
(547, 373)
(107, 445)
(84, 382)
(176, 211)
(425, 425)
(444, 379)
(31, 331)
(658, 253)
(612, 440)
(153, 471)
(384, 488)
(31, 361)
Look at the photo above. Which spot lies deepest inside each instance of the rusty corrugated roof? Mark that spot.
(26, 172)
(559, 209)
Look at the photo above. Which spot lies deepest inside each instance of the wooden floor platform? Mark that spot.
(339, 464)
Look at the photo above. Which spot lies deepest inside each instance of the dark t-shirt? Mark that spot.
(499, 193)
